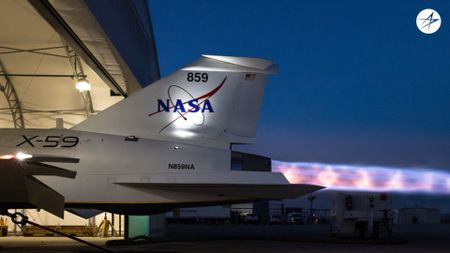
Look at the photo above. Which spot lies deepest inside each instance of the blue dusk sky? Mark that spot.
(358, 82)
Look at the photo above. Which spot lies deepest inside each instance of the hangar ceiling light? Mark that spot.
(83, 85)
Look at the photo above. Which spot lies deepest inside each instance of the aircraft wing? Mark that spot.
(217, 186)
(230, 191)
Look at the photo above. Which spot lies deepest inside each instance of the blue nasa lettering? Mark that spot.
(180, 106)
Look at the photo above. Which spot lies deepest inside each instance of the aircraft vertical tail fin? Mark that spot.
(213, 101)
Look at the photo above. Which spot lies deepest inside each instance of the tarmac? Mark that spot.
(251, 238)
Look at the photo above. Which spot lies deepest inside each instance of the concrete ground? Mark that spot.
(251, 238)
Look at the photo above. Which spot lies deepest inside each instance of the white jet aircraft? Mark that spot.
(166, 146)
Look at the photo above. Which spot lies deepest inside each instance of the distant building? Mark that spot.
(418, 215)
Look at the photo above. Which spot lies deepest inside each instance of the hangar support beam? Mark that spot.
(78, 72)
(42, 51)
(7, 87)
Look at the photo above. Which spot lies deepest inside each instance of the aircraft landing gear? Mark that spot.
(21, 220)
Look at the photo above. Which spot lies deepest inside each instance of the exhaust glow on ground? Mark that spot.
(366, 178)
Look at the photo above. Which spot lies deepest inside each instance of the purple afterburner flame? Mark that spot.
(366, 178)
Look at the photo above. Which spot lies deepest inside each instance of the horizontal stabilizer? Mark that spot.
(255, 63)
(54, 159)
(25, 191)
(40, 169)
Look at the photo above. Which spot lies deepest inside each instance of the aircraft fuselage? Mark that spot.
(108, 160)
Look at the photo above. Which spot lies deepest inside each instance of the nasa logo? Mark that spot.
(189, 106)
(200, 104)
(186, 104)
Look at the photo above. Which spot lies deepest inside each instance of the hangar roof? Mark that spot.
(42, 40)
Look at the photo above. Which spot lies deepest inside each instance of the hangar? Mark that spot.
(47, 47)
(64, 61)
